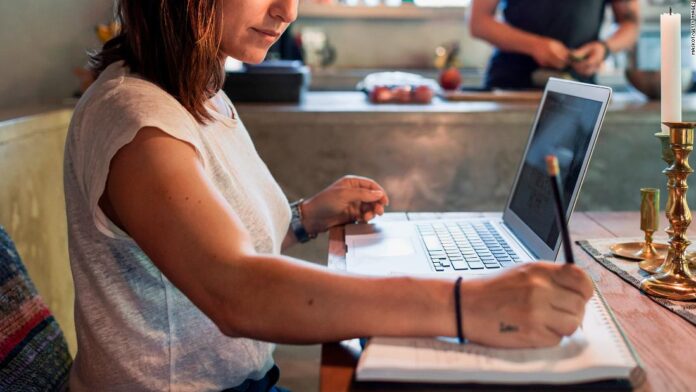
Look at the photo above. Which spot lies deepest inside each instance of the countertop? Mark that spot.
(356, 102)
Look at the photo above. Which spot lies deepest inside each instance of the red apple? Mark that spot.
(450, 78)
(402, 94)
(422, 94)
(380, 94)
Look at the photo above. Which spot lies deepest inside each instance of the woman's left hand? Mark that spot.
(349, 199)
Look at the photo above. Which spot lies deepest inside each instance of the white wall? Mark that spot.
(41, 41)
(404, 43)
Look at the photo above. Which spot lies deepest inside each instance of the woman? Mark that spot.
(176, 226)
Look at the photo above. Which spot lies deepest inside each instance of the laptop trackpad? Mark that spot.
(370, 248)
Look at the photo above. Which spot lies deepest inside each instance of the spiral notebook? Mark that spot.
(598, 351)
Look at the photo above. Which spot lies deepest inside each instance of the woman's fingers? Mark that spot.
(367, 199)
(571, 277)
(570, 302)
(370, 202)
(371, 210)
(367, 183)
(368, 211)
(564, 324)
(365, 195)
(547, 337)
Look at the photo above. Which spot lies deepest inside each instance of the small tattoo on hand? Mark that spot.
(508, 328)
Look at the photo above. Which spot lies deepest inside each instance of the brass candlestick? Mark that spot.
(647, 252)
(668, 157)
(674, 279)
(649, 221)
(653, 266)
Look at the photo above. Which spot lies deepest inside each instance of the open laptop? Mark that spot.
(567, 124)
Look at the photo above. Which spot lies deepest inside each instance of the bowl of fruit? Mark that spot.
(398, 87)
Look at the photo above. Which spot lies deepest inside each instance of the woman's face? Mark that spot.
(250, 27)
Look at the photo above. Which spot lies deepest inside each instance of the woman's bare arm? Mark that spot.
(159, 193)
(163, 198)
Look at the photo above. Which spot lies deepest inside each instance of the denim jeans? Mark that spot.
(265, 384)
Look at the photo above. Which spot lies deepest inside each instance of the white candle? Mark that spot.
(670, 44)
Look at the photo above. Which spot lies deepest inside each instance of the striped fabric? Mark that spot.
(33, 353)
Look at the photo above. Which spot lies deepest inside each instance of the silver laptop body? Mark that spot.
(567, 124)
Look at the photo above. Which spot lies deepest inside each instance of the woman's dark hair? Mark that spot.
(173, 43)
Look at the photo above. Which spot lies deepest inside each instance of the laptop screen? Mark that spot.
(565, 128)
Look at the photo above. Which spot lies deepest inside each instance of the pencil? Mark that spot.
(554, 175)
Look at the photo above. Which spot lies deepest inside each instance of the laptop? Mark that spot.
(567, 124)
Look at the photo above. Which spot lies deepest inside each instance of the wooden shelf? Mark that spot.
(403, 12)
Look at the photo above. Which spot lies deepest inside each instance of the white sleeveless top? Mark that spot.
(135, 329)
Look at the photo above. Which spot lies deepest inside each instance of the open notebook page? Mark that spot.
(598, 351)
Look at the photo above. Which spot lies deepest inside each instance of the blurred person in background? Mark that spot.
(559, 36)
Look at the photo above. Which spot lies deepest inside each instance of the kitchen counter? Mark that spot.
(356, 102)
(345, 79)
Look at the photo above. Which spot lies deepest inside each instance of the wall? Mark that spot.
(41, 41)
(396, 43)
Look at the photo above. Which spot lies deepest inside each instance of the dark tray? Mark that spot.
(282, 81)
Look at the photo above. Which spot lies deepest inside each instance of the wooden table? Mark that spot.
(665, 342)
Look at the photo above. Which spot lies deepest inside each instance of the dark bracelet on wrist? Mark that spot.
(458, 309)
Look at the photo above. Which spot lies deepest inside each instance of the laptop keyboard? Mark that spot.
(466, 246)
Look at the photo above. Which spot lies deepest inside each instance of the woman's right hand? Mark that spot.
(533, 305)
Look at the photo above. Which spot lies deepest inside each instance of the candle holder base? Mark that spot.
(640, 250)
(652, 266)
(671, 285)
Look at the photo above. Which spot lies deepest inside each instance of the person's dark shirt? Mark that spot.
(286, 48)
(572, 22)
